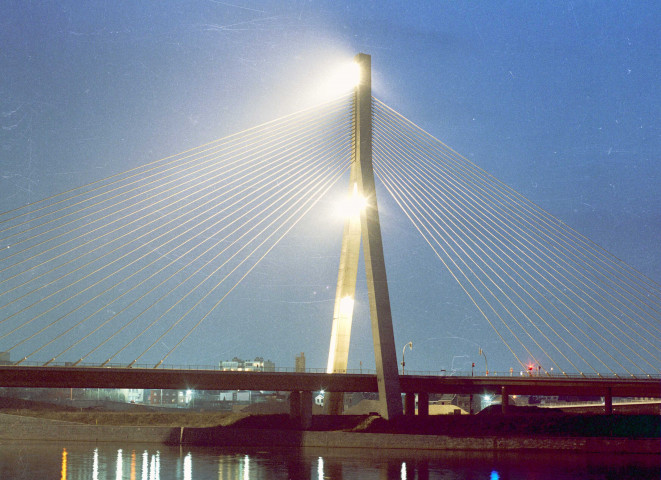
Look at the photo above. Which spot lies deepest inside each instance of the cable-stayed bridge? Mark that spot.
(128, 270)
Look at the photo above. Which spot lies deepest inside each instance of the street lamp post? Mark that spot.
(470, 398)
(486, 365)
(410, 345)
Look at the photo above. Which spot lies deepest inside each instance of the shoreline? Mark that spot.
(36, 429)
(404, 441)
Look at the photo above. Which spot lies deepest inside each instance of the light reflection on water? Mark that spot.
(64, 463)
(78, 461)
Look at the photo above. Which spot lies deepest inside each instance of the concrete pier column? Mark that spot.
(505, 402)
(423, 404)
(295, 404)
(306, 409)
(409, 404)
(608, 402)
(334, 403)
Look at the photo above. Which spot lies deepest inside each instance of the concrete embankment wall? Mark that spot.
(25, 428)
(256, 438)
(14, 427)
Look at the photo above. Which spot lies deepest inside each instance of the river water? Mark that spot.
(106, 461)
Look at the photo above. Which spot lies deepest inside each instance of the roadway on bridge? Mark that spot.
(113, 377)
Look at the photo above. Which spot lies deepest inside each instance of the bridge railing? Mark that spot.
(355, 371)
(523, 374)
(183, 367)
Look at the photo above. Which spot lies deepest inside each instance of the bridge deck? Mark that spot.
(101, 377)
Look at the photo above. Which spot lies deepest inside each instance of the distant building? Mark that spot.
(171, 398)
(259, 365)
(256, 365)
(232, 365)
(464, 402)
(300, 363)
(244, 396)
(4, 358)
(133, 395)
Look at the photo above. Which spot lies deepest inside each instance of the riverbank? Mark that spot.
(269, 431)
(522, 430)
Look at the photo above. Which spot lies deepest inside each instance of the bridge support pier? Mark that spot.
(423, 404)
(410, 401)
(505, 400)
(306, 409)
(295, 404)
(608, 402)
(300, 407)
(409, 404)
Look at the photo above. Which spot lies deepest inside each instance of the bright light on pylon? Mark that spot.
(352, 205)
(345, 77)
(350, 73)
(338, 81)
(346, 306)
(344, 313)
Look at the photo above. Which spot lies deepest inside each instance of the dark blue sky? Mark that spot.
(560, 100)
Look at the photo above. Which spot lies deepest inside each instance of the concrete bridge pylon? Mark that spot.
(362, 222)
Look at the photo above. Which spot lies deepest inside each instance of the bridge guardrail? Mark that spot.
(595, 376)
(430, 373)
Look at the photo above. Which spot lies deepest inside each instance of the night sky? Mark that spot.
(558, 99)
